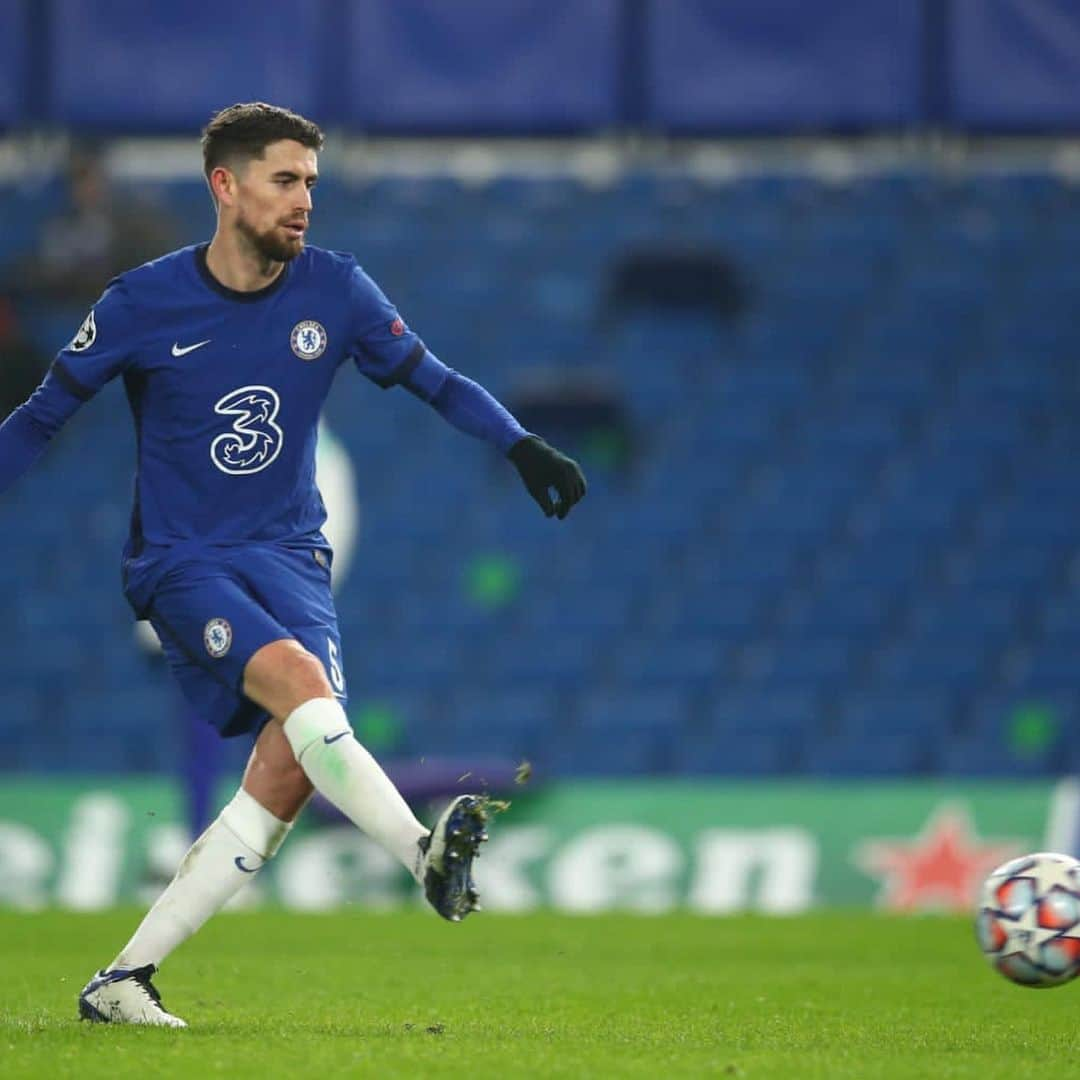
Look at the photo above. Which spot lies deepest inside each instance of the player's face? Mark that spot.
(273, 199)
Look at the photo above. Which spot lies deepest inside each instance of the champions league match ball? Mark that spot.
(1028, 925)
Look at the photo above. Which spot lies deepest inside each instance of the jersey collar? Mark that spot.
(235, 294)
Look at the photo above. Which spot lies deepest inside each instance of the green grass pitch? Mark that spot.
(272, 994)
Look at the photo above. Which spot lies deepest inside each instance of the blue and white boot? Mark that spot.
(448, 853)
(125, 997)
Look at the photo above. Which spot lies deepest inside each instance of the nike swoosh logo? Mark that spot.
(239, 861)
(177, 351)
(328, 739)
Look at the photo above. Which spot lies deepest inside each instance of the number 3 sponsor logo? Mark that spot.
(254, 440)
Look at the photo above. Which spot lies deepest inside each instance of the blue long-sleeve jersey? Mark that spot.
(226, 389)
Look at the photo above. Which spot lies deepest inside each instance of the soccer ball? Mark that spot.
(1028, 924)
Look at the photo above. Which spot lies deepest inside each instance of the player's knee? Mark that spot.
(282, 676)
(306, 676)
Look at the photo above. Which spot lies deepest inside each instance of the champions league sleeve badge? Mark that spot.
(308, 339)
(87, 334)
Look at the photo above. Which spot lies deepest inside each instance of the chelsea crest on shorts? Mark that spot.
(217, 637)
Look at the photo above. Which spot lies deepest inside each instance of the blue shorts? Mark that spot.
(213, 613)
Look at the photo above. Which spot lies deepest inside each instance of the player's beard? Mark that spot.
(269, 245)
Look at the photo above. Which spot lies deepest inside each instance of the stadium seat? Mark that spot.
(810, 664)
(1050, 667)
(879, 755)
(652, 710)
(729, 613)
(766, 753)
(538, 661)
(865, 610)
(696, 663)
(935, 664)
(785, 713)
(978, 757)
(601, 755)
(930, 715)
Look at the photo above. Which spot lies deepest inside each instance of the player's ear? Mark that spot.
(222, 185)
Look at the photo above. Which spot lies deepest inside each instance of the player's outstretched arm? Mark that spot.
(470, 408)
(27, 431)
(391, 354)
(98, 352)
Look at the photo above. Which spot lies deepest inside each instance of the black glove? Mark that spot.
(542, 467)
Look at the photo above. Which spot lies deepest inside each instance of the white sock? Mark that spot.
(345, 773)
(242, 839)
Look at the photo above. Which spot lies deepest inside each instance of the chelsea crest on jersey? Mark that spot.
(308, 339)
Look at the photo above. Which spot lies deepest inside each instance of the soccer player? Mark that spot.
(227, 351)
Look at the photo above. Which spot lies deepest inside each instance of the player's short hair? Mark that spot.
(242, 132)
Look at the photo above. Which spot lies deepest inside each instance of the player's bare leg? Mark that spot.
(273, 776)
(291, 685)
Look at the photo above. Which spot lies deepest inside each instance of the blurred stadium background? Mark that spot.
(799, 285)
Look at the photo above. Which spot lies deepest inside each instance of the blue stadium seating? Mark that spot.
(849, 543)
(695, 663)
(876, 754)
(758, 753)
(927, 714)
(979, 756)
(601, 754)
(792, 714)
(935, 662)
(515, 725)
